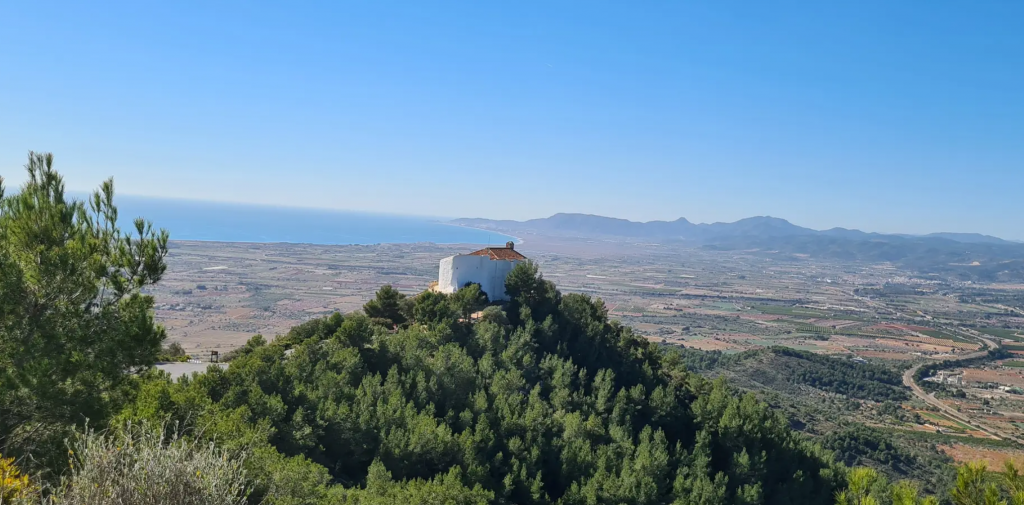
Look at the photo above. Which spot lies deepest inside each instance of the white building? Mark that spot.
(953, 378)
(486, 267)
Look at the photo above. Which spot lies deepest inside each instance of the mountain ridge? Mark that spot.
(682, 227)
(957, 256)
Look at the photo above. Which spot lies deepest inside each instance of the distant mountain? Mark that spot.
(761, 226)
(588, 225)
(971, 238)
(966, 256)
(848, 234)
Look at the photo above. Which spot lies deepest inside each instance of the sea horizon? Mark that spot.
(212, 221)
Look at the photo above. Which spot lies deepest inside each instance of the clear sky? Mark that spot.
(879, 115)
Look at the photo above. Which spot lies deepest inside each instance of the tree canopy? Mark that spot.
(389, 307)
(73, 319)
(543, 400)
(570, 408)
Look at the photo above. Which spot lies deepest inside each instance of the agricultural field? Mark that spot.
(1004, 333)
(731, 313)
(993, 458)
(217, 295)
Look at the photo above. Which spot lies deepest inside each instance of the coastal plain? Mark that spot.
(216, 295)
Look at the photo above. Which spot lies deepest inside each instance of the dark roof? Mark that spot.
(499, 253)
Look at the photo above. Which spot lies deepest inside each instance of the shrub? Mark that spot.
(141, 466)
(15, 487)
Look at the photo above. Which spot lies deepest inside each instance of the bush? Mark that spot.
(141, 466)
(15, 487)
(172, 353)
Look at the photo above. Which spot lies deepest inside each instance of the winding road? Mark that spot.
(908, 380)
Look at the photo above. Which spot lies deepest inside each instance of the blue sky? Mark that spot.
(879, 115)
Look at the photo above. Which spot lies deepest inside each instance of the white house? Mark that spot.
(486, 267)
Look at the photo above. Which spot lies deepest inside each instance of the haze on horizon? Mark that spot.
(875, 116)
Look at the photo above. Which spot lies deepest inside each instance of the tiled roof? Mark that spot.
(499, 253)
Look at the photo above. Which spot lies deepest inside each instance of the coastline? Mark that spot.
(517, 240)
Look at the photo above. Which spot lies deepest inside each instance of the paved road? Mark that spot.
(908, 380)
(908, 376)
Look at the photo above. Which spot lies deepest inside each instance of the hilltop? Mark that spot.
(541, 400)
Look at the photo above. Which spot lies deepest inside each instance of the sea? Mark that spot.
(232, 222)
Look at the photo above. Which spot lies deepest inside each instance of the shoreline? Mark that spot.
(517, 240)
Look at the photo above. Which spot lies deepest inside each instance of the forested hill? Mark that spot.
(785, 369)
(544, 401)
(845, 405)
(541, 400)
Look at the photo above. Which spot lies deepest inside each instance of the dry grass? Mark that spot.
(994, 458)
(1012, 377)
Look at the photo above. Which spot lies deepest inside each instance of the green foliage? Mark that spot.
(865, 486)
(862, 488)
(253, 342)
(318, 329)
(976, 486)
(73, 318)
(860, 442)
(865, 381)
(469, 299)
(1005, 333)
(972, 488)
(571, 408)
(434, 308)
(446, 489)
(856, 380)
(388, 308)
(777, 378)
(944, 336)
(696, 360)
(173, 352)
(896, 455)
(532, 297)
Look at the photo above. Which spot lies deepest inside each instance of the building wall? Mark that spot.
(446, 281)
(454, 272)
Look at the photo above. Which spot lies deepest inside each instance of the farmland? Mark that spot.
(215, 296)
